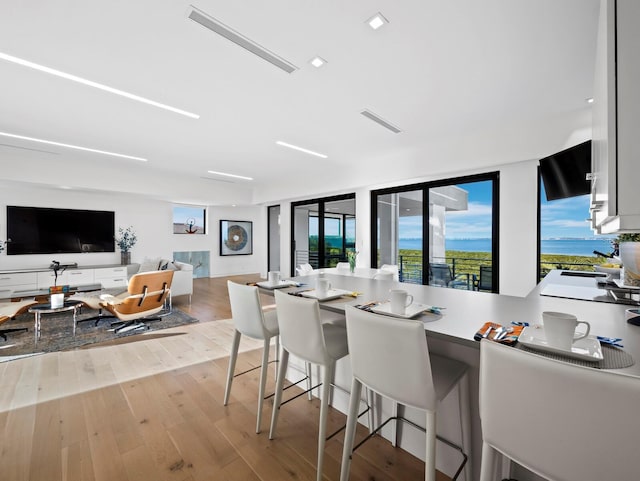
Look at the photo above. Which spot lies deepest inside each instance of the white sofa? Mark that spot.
(182, 284)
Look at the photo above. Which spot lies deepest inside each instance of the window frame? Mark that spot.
(493, 176)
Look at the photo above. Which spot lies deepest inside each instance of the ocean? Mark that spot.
(576, 247)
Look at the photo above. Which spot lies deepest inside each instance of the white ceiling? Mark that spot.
(471, 83)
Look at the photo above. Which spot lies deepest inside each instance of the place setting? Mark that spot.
(275, 281)
(400, 304)
(562, 336)
(325, 292)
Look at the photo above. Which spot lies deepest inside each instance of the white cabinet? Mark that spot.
(16, 282)
(615, 196)
(111, 277)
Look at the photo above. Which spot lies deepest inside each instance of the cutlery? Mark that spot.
(486, 333)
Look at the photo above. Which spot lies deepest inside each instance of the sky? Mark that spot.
(558, 218)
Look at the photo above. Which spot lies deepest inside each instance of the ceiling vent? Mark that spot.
(216, 26)
(379, 120)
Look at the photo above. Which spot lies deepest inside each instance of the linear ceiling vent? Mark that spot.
(379, 120)
(218, 27)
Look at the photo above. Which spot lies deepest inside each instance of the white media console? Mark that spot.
(15, 281)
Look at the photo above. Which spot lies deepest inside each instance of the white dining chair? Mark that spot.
(393, 269)
(559, 420)
(342, 266)
(249, 319)
(304, 269)
(304, 335)
(383, 275)
(390, 356)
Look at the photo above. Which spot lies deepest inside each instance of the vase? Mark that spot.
(630, 257)
(352, 265)
(125, 258)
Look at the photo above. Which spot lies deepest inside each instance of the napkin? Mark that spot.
(489, 330)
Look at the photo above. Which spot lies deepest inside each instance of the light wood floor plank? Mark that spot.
(150, 407)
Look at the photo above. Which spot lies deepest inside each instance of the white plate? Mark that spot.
(587, 349)
(279, 285)
(331, 294)
(411, 311)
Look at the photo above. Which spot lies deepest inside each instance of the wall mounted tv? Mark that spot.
(565, 174)
(42, 230)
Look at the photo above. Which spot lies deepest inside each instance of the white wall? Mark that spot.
(152, 221)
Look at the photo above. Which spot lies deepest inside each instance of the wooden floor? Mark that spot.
(150, 408)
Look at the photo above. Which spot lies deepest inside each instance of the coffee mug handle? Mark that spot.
(585, 334)
(409, 300)
(328, 286)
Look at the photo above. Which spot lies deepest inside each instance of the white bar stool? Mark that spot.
(249, 319)
(574, 423)
(390, 356)
(305, 336)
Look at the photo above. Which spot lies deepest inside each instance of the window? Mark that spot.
(565, 239)
(442, 233)
(323, 230)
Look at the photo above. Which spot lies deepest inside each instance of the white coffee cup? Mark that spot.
(274, 277)
(57, 300)
(322, 287)
(400, 300)
(560, 329)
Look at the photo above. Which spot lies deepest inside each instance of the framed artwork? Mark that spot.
(189, 219)
(236, 237)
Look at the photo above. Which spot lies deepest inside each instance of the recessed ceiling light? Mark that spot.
(590, 100)
(317, 62)
(230, 175)
(70, 146)
(90, 83)
(306, 151)
(377, 21)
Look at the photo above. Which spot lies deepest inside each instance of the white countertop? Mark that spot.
(466, 311)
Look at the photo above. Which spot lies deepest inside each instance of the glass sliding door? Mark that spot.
(461, 231)
(450, 243)
(400, 233)
(322, 231)
(305, 235)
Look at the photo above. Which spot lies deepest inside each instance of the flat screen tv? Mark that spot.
(43, 230)
(565, 174)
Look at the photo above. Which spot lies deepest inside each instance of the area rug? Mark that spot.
(56, 333)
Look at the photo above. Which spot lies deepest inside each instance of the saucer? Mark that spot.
(279, 285)
(412, 311)
(587, 349)
(331, 294)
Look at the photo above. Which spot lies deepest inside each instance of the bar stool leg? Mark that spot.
(324, 408)
(464, 396)
(282, 371)
(232, 364)
(263, 381)
(352, 421)
(430, 459)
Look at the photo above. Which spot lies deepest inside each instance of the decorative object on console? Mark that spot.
(126, 240)
(630, 258)
(236, 237)
(351, 257)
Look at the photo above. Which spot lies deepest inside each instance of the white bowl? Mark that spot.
(614, 272)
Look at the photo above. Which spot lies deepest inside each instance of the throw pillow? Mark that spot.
(149, 265)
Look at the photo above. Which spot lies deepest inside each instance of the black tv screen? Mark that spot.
(565, 174)
(42, 230)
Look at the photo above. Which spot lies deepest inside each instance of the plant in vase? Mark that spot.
(351, 257)
(126, 240)
(629, 245)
